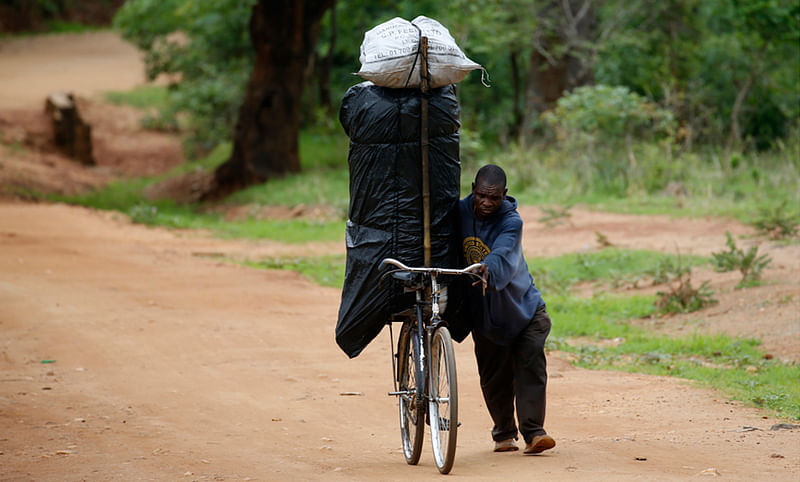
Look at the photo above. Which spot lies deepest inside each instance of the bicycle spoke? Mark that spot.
(443, 401)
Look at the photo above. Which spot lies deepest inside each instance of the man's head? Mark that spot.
(488, 190)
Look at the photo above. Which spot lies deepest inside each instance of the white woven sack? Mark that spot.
(389, 53)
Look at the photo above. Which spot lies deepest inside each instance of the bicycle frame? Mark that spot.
(423, 330)
(425, 342)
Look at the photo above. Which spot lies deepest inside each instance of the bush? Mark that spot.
(682, 297)
(748, 263)
(602, 113)
(777, 222)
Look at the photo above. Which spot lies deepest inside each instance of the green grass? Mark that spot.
(612, 266)
(288, 231)
(324, 186)
(736, 186)
(324, 180)
(57, 27)
(323, 270)
(735, 366)
(603, 316)
(145, 97)
(126, 197)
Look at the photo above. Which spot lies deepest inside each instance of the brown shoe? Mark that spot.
(508, 445)
(539, 444)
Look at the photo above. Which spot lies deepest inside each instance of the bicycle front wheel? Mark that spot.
(412, 410)
(443, 403)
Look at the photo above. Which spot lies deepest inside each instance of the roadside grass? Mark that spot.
(144, 97)
(127, 199)
(735, 366)
(54, 27)
(323, 270)
(326, 186)
(613, 267)
(700, 182)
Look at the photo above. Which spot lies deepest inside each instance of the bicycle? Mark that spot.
(424, 366)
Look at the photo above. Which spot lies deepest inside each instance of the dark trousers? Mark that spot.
(518, 371)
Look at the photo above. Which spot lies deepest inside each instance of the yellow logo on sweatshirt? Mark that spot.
(474, 250)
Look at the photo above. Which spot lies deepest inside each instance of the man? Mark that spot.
(509, 339)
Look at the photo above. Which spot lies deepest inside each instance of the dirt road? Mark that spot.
(85, 64)
(169, 365)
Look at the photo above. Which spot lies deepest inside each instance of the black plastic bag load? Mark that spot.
(385, 218)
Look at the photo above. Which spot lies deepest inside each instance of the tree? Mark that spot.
(766, 24)
(726, 68)
(265, 141)
(545, 47)
(559, 60)
(239, 70)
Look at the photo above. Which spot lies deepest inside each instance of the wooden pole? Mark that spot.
(426, 186)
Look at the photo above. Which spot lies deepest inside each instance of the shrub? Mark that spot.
(600, 113)
(682, 297)
(778, 222)
(748, 263)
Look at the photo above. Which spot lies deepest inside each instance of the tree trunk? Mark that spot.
(326, 66)
(573, 24)
(736, 131)
(265, 141)
(70, 133)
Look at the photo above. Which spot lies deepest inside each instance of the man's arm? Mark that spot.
(504, 258)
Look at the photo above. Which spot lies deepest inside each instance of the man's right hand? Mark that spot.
(483, 272)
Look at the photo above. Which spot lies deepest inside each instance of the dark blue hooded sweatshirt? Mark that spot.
(511, 297)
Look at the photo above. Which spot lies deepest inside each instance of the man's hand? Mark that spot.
(483, 272)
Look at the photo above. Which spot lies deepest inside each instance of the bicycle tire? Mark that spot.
(412, 413)
(443, 402)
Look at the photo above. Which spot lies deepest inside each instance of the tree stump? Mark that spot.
(70, 132)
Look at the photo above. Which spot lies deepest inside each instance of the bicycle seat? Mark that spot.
(410, 280)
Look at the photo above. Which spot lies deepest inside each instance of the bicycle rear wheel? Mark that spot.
(412, 411)
(443, 404)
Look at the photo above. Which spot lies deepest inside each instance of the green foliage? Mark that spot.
(778, 222)
(602, 113)
(324, 180)
(205, 48)
(696, 60)
(153, 100)
(603, 240)
(748, 263)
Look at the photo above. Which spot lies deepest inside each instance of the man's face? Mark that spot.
(487, 198)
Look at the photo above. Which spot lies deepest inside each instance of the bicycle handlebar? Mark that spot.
(467, 270)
